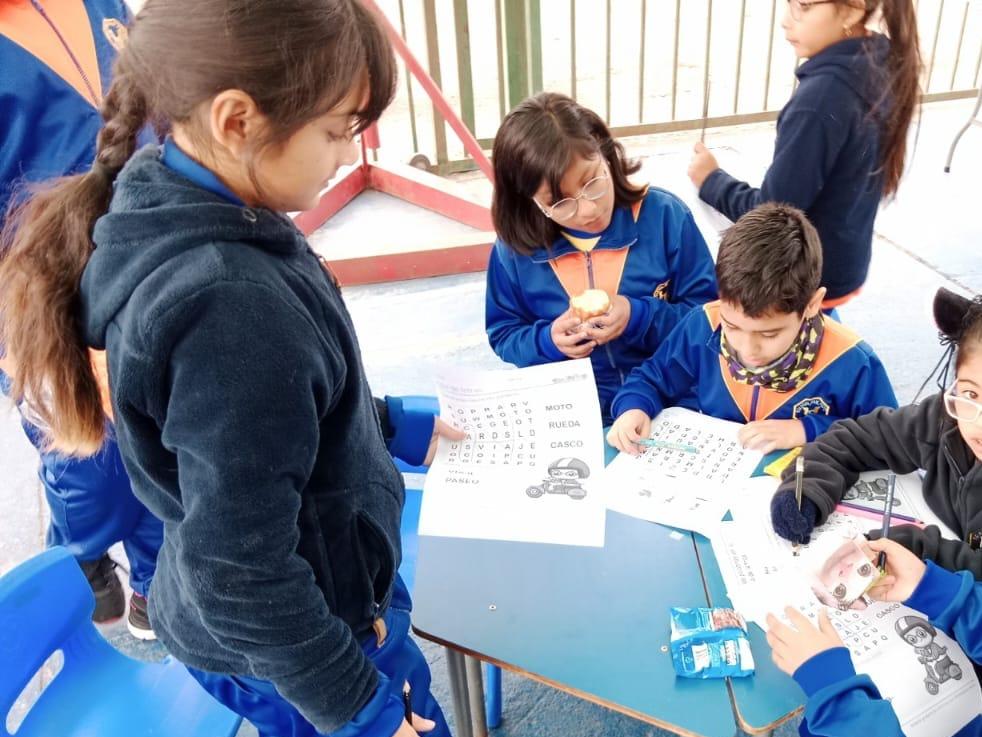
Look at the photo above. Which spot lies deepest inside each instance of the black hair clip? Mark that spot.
(954, 315)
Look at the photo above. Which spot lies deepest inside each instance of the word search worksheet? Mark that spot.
(531, 466)
(685, 479)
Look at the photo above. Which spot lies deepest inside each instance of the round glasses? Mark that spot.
(798, 8)
(961, 408)
(567, 208)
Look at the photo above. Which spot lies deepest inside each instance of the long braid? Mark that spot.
(49, 242)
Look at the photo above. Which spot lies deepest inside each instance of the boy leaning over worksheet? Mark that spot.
(763, 354)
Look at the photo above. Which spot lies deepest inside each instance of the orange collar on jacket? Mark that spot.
(836, 341)
(607, 265)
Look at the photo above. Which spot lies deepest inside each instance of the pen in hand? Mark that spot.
(799, 483)
(881, 559)
(407, 702)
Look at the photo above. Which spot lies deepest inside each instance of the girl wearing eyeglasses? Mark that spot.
(942, 436)
(568, 220)
(842, 138)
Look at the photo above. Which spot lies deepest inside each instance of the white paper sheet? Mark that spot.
(678, 488)
(870, 493)
(531, 468)
(762, 575)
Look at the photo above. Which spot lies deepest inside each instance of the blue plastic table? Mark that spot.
(592, 622)
(589, 621)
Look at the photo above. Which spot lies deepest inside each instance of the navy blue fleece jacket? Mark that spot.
(247, 426)
(826, 158)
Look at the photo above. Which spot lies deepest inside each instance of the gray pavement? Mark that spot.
(929, 237)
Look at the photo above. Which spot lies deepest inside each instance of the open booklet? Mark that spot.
(925, 674)
(684, 478)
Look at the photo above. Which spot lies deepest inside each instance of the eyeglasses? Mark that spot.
(961, 408)
(798, 8)
(567, 208)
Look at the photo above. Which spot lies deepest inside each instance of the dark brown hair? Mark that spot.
(537, 142)
(297, 59)
(900, 84)
(960, 321)
(770, 261)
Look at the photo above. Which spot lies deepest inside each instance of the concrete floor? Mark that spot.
(929, 237)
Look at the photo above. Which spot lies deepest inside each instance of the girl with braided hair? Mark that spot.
(242, 409)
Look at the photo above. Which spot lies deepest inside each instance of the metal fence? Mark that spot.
(646, 66)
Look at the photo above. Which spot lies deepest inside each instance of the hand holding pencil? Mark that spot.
(904, 571)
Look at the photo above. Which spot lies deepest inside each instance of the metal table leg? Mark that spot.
(475, 692)
(459, 691)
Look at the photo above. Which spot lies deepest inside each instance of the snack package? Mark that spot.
(710, 643)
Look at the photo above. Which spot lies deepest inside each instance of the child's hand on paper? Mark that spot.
(904, 571)
(768, 435)
(702, 165)
(441, 430)
(792, 646)
(611, 325)
(628, 428)
(569, 334)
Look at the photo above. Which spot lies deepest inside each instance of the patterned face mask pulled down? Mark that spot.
(789, 371)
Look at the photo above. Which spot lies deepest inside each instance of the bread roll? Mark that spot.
(592, 303)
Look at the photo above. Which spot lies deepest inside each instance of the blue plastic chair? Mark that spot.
(410, 550)
(46, 605)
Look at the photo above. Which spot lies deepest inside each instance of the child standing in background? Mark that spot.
(569, 220)
(242, 408)
(842, 138)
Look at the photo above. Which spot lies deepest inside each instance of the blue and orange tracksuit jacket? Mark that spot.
(688, 370)
(56, 61)
(653, 254)
(842, 703)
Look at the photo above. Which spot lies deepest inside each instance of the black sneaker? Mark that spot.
(110, 601)
(137, 621)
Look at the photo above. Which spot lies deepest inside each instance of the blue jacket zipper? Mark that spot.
(71, 54)
(591, 284)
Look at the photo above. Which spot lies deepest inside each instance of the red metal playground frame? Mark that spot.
(420, 188)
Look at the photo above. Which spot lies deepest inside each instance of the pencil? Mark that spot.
(407, 702)
(871, 514)
(666, 445)
(893, 515)
(881, 559)
(799, 483)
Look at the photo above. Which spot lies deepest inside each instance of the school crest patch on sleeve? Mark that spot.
(115, 32)
(810, 406)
